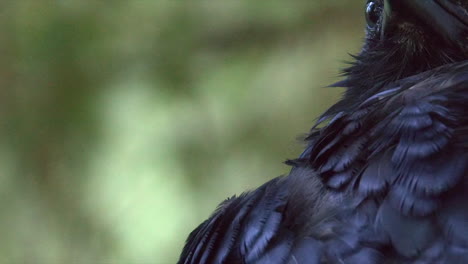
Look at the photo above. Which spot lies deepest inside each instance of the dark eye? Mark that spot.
(372, 13)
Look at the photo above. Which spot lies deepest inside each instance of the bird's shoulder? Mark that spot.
(286, 220)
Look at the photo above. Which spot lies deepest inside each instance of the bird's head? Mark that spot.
(406, 37)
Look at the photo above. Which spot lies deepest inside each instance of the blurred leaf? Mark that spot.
(124, 123)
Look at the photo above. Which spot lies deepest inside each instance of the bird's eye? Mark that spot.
(372, 13)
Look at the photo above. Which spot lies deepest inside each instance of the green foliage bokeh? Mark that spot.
(124, 123)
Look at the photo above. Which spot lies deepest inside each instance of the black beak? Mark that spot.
(447, 19)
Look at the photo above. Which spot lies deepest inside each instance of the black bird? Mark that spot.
(384, 177)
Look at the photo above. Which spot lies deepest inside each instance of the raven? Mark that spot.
(384, 176)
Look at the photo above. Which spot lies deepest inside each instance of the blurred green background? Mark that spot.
(124, 123)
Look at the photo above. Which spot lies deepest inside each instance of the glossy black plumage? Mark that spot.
(384, 178)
